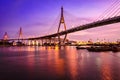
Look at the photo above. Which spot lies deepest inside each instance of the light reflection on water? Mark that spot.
(54, 63)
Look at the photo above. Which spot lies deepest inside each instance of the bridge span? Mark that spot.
(52, 37)
(81, 27)
(78, 28)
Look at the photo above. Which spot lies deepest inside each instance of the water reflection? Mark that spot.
(105, 68)
(55, 63)
(72, 60)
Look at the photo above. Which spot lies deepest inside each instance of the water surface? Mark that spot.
(54, 63)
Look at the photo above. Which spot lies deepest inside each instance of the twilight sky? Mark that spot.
(41, 17)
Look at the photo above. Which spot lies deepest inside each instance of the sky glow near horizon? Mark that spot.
(41, 17)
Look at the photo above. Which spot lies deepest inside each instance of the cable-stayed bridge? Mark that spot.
(83, 27)
(112, 18)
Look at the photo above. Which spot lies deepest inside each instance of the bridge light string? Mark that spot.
(110, 10)
(70, 19)
(118, 13)
(115, 13)
(103, 15)
(73, 21)
(57, 26)
(114, 10)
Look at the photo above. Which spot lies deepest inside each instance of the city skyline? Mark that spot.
(41, 17)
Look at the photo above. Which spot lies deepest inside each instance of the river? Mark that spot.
(54, 63)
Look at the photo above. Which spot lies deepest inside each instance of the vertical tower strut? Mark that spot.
(62, 21)
(20, 34)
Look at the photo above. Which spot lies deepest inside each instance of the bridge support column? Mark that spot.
(62, 21)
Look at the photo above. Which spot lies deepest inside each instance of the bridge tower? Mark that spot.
(62, 21)
(20, 34)
(5, 37)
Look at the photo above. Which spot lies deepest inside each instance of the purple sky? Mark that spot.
(41, 17)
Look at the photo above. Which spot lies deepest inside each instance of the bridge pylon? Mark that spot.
(5, 37)
(20, 38)
(20, 34)
(62, 21)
